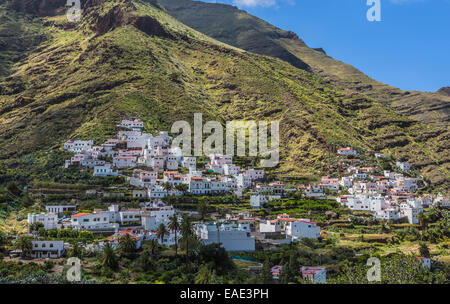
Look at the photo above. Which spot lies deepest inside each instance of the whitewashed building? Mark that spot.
(78, 145)
(231, 237)
(269, 226)
(49, 220)
(47, 249)
(105, 170)
(302, 229)
(59, 209)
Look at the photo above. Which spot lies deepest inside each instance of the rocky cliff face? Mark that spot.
(444, 91)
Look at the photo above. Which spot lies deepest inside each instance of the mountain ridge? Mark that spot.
(210, 18)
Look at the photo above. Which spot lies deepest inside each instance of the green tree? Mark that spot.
(182, 187)
(162, 232)
(145, 261)
(217, 257)
(423, 220)
(284, 274)
(36, 226)
(3, 240)
(206, 275)
(154, 248)
(202, 209)
(127, 246)
(186, 233)
(109, 258)
(424, 251)
(266, 273)
(76, 251)
(13, 188)
(293, 268)
(25, 244)
(174, 225)
(167, 186)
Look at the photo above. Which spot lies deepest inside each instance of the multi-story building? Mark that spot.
(47, 249)
(49, 220)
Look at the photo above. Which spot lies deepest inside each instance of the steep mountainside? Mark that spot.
(235, 27)
(132, 58)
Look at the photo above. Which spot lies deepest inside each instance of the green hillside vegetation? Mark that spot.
(132, 58)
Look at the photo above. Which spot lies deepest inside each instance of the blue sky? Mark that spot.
(409, 48)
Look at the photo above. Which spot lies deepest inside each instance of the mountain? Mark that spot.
(235, 27)
(61, 80)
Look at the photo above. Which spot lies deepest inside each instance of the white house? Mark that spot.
(93, 222)
(243, 181)
(130, 215)
(347, 151)
(155, 215)
(189, 162)
(346, 182)
(47, 249)
(231, 237)
(104, 170)
(219, 159)
(230, 169)
(124, 161)
(302, 229)
(199, 186)
(254, 174)
(49, 220)
(58, 209)
(269, 226)
(78, 145)
(132, 124)
(388, 214)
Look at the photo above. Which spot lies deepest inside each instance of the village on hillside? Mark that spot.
(160, 186)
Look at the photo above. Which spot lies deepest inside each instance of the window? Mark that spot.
(51, 245)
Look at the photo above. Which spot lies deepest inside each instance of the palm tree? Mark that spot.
(154, 247)
(174, 225)
(167, 186)
(162, 232)
(186, 232)
(76, 251)
(109, 258)
(127, 245)
(423, 220)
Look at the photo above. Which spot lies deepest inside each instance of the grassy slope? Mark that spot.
(78, 83)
